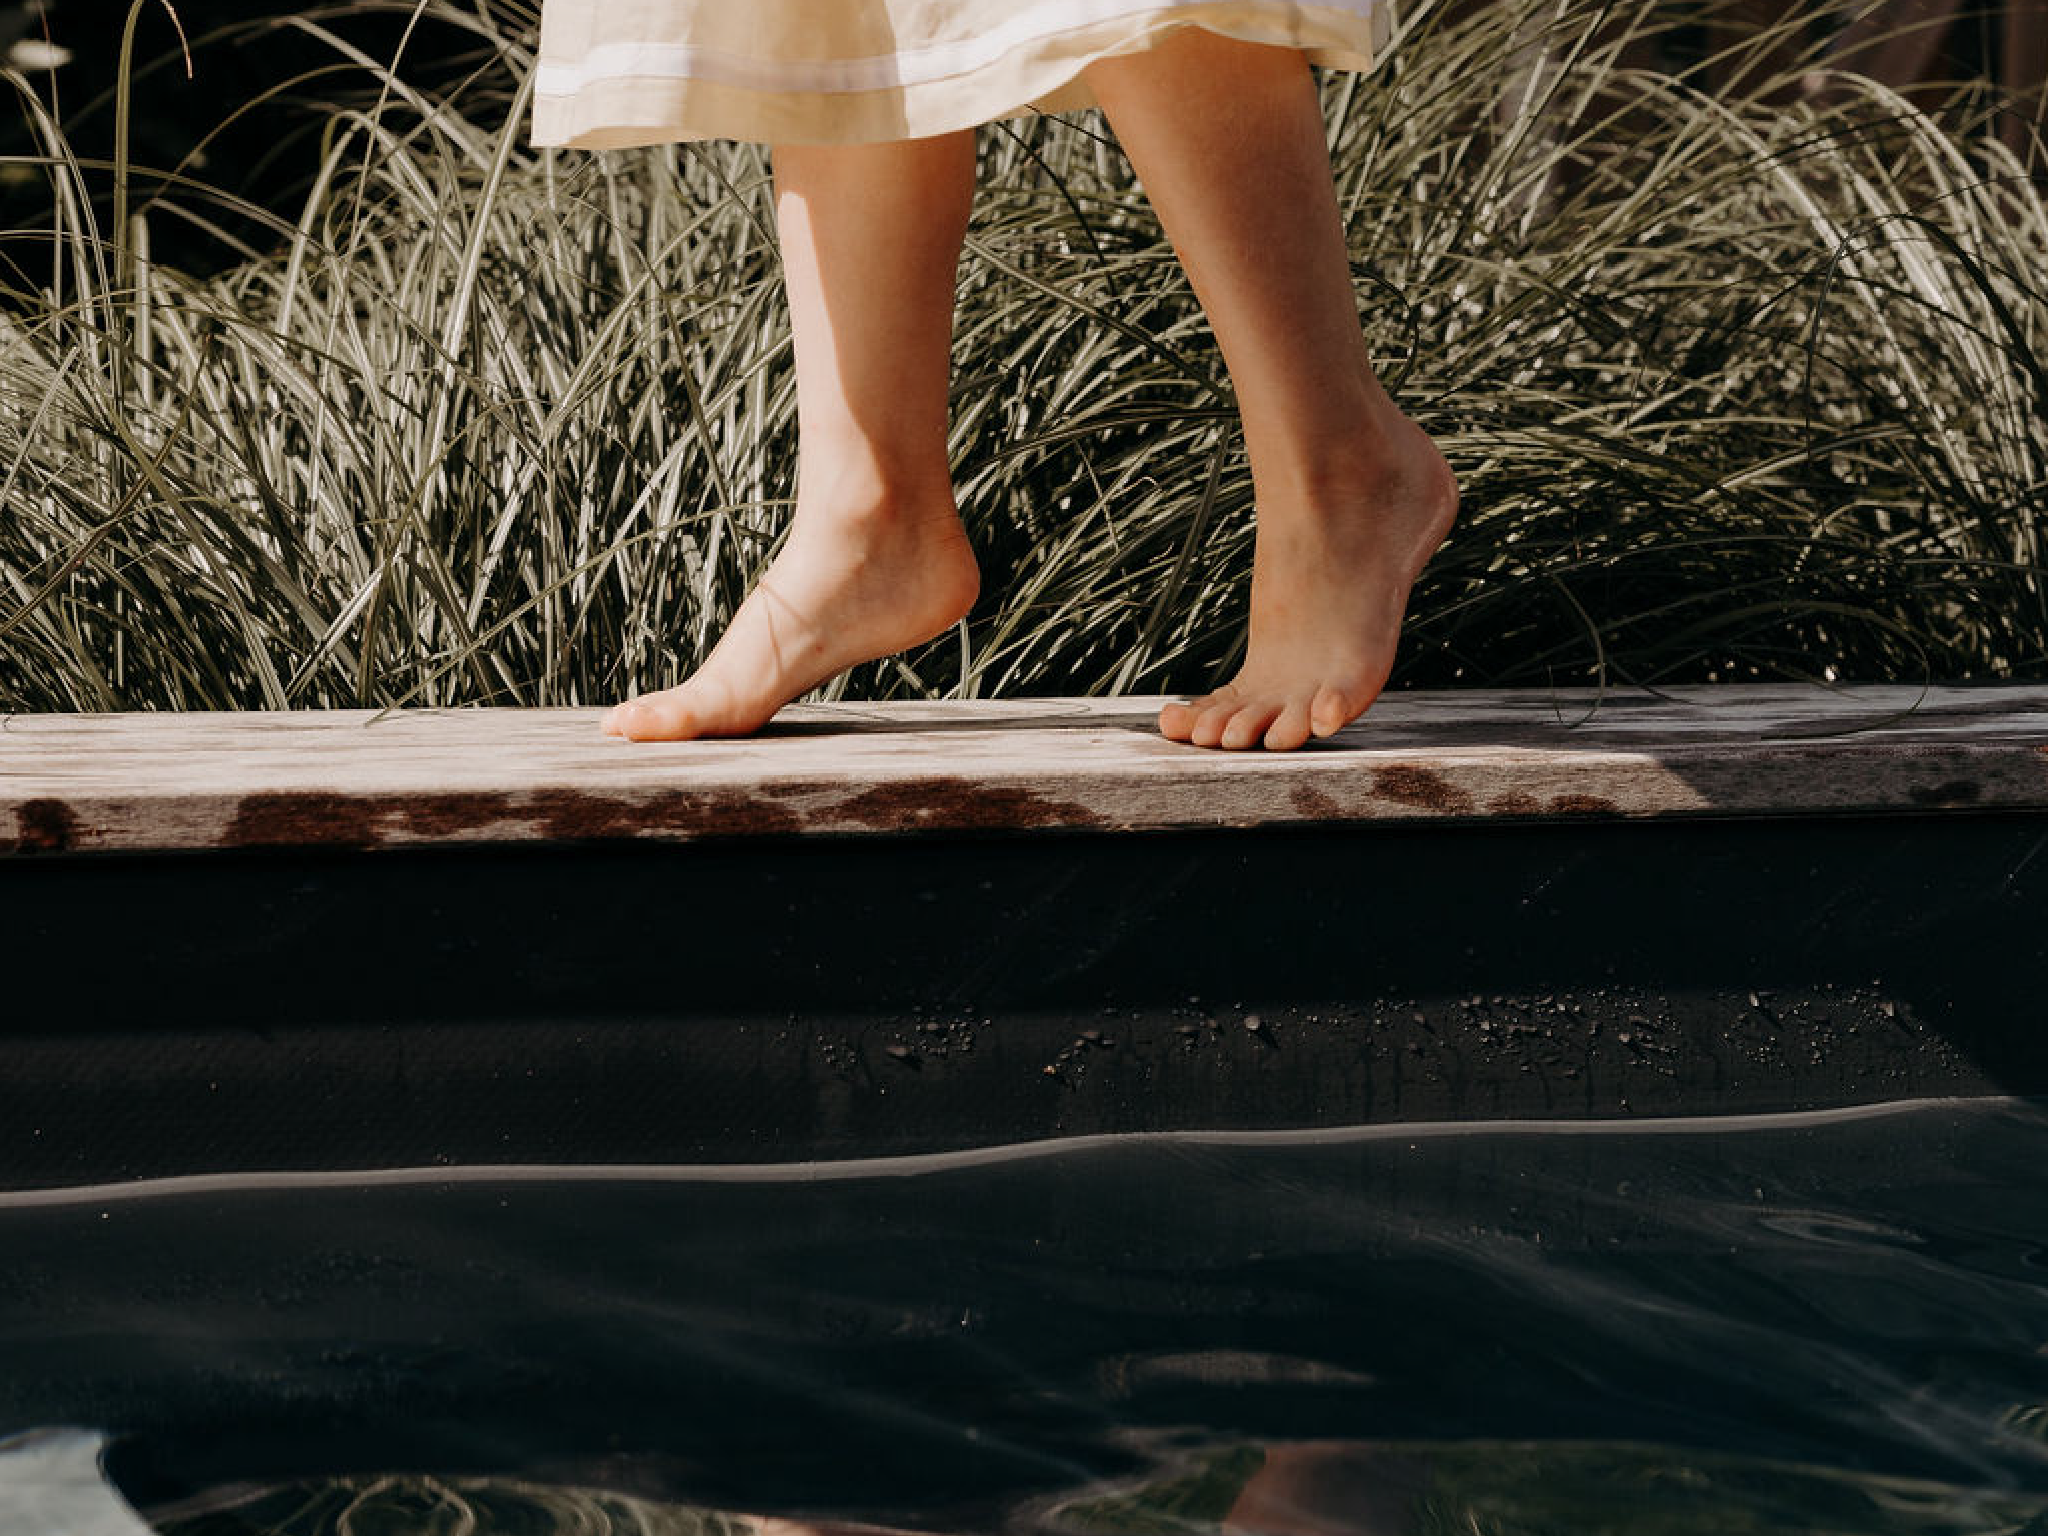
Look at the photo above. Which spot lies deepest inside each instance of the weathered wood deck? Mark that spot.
(357, 779)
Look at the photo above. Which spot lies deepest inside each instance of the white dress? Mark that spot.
(615, 73)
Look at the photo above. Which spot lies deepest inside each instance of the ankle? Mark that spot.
(1348, 432)
(1341, 467)
(862, 492)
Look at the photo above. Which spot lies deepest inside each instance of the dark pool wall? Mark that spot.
(850, 997)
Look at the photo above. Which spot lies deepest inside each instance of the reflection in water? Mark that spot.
(1819, 1325)
(1519, 1490)
(1294, 1490)
(429, 1506)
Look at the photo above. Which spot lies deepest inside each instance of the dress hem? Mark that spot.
(629, 110)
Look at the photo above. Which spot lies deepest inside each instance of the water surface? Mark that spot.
(1833, 1323)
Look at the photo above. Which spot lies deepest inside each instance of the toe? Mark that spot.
(636, 720)
(1177, 721)
(1212, 722)
(1290, 729)
(1334, 709)
(1248, 725)
(658, 717)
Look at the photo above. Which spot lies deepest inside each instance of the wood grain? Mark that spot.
(359, 779)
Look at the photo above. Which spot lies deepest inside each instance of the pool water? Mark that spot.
(1830, 1323)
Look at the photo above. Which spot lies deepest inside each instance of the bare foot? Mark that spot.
(1331, 574)
(872, 576)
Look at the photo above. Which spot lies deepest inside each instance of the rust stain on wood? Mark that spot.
(576, 816)
(1314, 804)
(957, 802)
(301, 818)
(330, 820)
(45, 826)
(311, 818)
(570, 816)
(1423, 788)
(445, 815)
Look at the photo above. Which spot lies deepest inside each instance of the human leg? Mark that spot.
(876, 559)
(1227, 138)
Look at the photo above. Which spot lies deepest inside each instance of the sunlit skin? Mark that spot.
(1352, 497)
(876, 559)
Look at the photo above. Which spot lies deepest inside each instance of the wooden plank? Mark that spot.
(361, 779)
